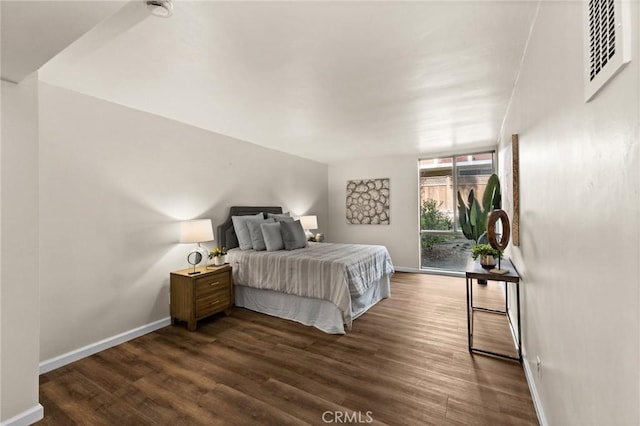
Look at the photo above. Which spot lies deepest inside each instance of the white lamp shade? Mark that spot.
(309, 222)
(196, 231)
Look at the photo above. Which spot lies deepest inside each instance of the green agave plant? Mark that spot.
(473, 215)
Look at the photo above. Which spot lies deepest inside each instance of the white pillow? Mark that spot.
(272, 236)
(242, 231)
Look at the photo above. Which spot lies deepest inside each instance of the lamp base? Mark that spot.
(309, 235)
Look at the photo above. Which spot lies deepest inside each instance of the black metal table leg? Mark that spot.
(469, 312)
(474, 271)
(519, 324)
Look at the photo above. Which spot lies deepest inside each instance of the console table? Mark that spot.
(475, 271)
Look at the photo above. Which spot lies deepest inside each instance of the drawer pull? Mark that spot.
(216, 283)
(214, 302)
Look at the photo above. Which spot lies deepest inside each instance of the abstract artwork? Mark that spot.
(368, 201)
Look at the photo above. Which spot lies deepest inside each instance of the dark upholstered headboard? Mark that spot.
(227, 235)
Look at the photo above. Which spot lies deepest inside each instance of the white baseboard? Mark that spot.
(537, 403)
(429, 271)
(26, 418)
(403, 269)
(69, 357)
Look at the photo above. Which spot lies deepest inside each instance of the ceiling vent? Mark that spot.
(607, 41)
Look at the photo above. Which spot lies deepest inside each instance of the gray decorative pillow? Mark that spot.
(242, 231)
(272, 236)
(274, 215)
(257, 240)
(293, 235)
(284, 217)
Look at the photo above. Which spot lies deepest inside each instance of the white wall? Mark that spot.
(19, 258)
(401, 236)
(114, 182)
(580, 235)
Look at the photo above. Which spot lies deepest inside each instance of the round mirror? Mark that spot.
(194, 258)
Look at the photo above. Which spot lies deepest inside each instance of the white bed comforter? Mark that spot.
(332, 272)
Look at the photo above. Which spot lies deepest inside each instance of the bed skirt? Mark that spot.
(319, 313)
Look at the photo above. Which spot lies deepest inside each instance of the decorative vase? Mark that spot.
(487, 261)
(217, 261)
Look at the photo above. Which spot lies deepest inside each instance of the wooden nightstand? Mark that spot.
(194, 297)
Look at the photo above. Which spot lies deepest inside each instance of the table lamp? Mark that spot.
(196, 231)
(308, 223)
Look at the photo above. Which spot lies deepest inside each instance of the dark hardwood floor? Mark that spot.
(405, 362)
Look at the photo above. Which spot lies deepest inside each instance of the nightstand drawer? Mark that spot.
(209, 305)
(215, 292)
(206, 286)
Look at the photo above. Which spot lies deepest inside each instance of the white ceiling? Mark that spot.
(323, 80)
(35, 31)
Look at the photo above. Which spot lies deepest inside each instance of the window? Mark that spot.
(442, 245)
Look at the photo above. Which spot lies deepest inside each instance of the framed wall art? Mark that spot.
(368, 201)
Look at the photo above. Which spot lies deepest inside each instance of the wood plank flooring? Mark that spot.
(405, 362)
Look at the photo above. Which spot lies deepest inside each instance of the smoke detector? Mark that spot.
(160, 8)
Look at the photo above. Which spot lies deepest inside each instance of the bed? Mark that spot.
(324, 285)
